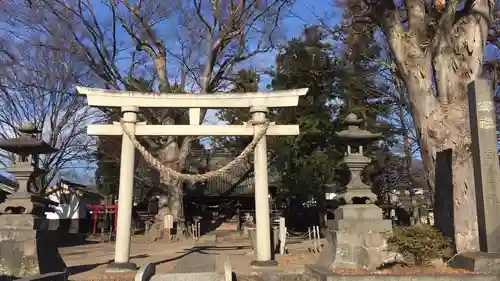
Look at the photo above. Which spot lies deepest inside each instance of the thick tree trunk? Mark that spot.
(450, 172)
(173, 203)
(464, 207)
(444, 144)
(436, 76)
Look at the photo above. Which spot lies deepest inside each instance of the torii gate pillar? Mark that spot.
(261, 193)
(125, 196)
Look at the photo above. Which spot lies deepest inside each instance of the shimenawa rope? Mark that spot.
(171, 173)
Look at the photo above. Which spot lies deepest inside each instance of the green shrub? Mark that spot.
(420, 242)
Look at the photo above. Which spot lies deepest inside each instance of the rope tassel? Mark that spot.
(194, 178)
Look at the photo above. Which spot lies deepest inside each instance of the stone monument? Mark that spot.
(357, 235)
(27, 246)
(486, 180)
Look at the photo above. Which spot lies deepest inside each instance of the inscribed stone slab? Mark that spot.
(485, 162)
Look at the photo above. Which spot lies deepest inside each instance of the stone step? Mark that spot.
(148, 273)
(198, 258)
(195, 276)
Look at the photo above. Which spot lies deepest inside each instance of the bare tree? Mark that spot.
(39, 88)
(154, 45)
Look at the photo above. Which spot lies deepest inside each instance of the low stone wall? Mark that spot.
(320, 273)
(273, 276)
(24, 249)
(53, 276)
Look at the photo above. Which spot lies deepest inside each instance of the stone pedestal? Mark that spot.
(477, 262)
(27, 247)
(356, 238)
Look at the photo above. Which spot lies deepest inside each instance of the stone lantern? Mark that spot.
(355, 161)
(27, 149)
(27, 246)
(357, 234)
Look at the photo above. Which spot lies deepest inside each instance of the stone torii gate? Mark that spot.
(130, 102)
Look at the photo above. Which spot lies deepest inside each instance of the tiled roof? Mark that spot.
(91, 190)
(7, 185)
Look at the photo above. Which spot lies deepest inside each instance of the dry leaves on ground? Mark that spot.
(297, 259)
(405, 271)
(121, 277)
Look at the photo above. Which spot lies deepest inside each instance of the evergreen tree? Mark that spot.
(307, 162)
(337, 84)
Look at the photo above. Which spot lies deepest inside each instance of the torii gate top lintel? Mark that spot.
(110, 98)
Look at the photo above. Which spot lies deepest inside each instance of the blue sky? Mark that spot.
(304, 12)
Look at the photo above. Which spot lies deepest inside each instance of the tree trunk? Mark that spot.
(444, 144)
(436, 76)
(173, 203)
(450, 170)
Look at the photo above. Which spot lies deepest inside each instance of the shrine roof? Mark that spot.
(7, 185)
(237, 181)
(87, 189)
(7, 189)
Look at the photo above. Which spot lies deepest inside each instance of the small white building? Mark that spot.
(72, 214)
(7, 187)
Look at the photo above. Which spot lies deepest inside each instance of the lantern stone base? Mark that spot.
(357, 238)
(27, 246)
(477, 262)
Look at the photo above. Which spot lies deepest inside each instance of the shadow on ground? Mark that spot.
(72, 239)
(87, 267)
(200, 250)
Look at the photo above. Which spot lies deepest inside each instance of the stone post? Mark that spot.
(261, 193)
(486, 168)
(485, 162)
(282, 235)
(125, 196)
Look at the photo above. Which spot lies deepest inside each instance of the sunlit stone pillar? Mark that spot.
(261, 193)
(125, 196)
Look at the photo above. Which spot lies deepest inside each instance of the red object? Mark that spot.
(101, 210)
